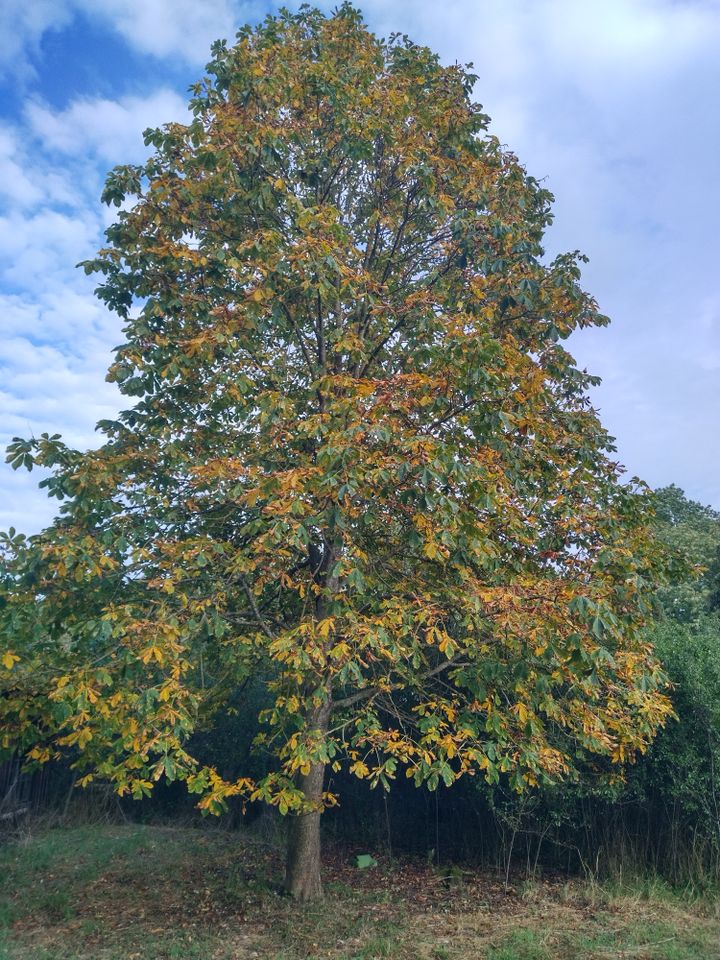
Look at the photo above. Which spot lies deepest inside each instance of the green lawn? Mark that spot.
(126, 892)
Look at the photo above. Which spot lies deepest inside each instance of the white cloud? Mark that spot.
(29, 179)
(46, 387)
(22, 25)
(14, 181)
(166, 28)
(57, 338)
(181, 29)
(612, 100)
(108, 129)
(43, 248)
(22, 505)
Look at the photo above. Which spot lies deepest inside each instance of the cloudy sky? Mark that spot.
(613, 102)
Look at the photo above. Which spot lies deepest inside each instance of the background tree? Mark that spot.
(692, 530)
(683, 769)
(359, 463)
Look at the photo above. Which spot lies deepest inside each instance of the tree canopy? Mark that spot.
(358, 461)
(691, 529)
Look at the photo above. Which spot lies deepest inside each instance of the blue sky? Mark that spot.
(613, 102)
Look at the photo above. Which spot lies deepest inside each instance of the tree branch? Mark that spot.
(256, 610)
(375, 690)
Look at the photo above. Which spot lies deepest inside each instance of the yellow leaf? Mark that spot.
(522, 711)
(446, 644)
(360, 769)
(9, 659)
(152, 653)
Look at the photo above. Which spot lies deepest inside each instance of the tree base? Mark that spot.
(302, 871)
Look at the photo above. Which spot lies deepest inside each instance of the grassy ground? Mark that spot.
(159, 893)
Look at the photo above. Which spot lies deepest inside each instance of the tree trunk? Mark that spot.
(302, 869)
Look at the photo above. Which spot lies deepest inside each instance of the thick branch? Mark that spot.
(301, 340)
(256, 610)
(374, 690)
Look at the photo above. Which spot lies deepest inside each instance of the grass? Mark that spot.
(127, 892)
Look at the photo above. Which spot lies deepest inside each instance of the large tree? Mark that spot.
(360, 463)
